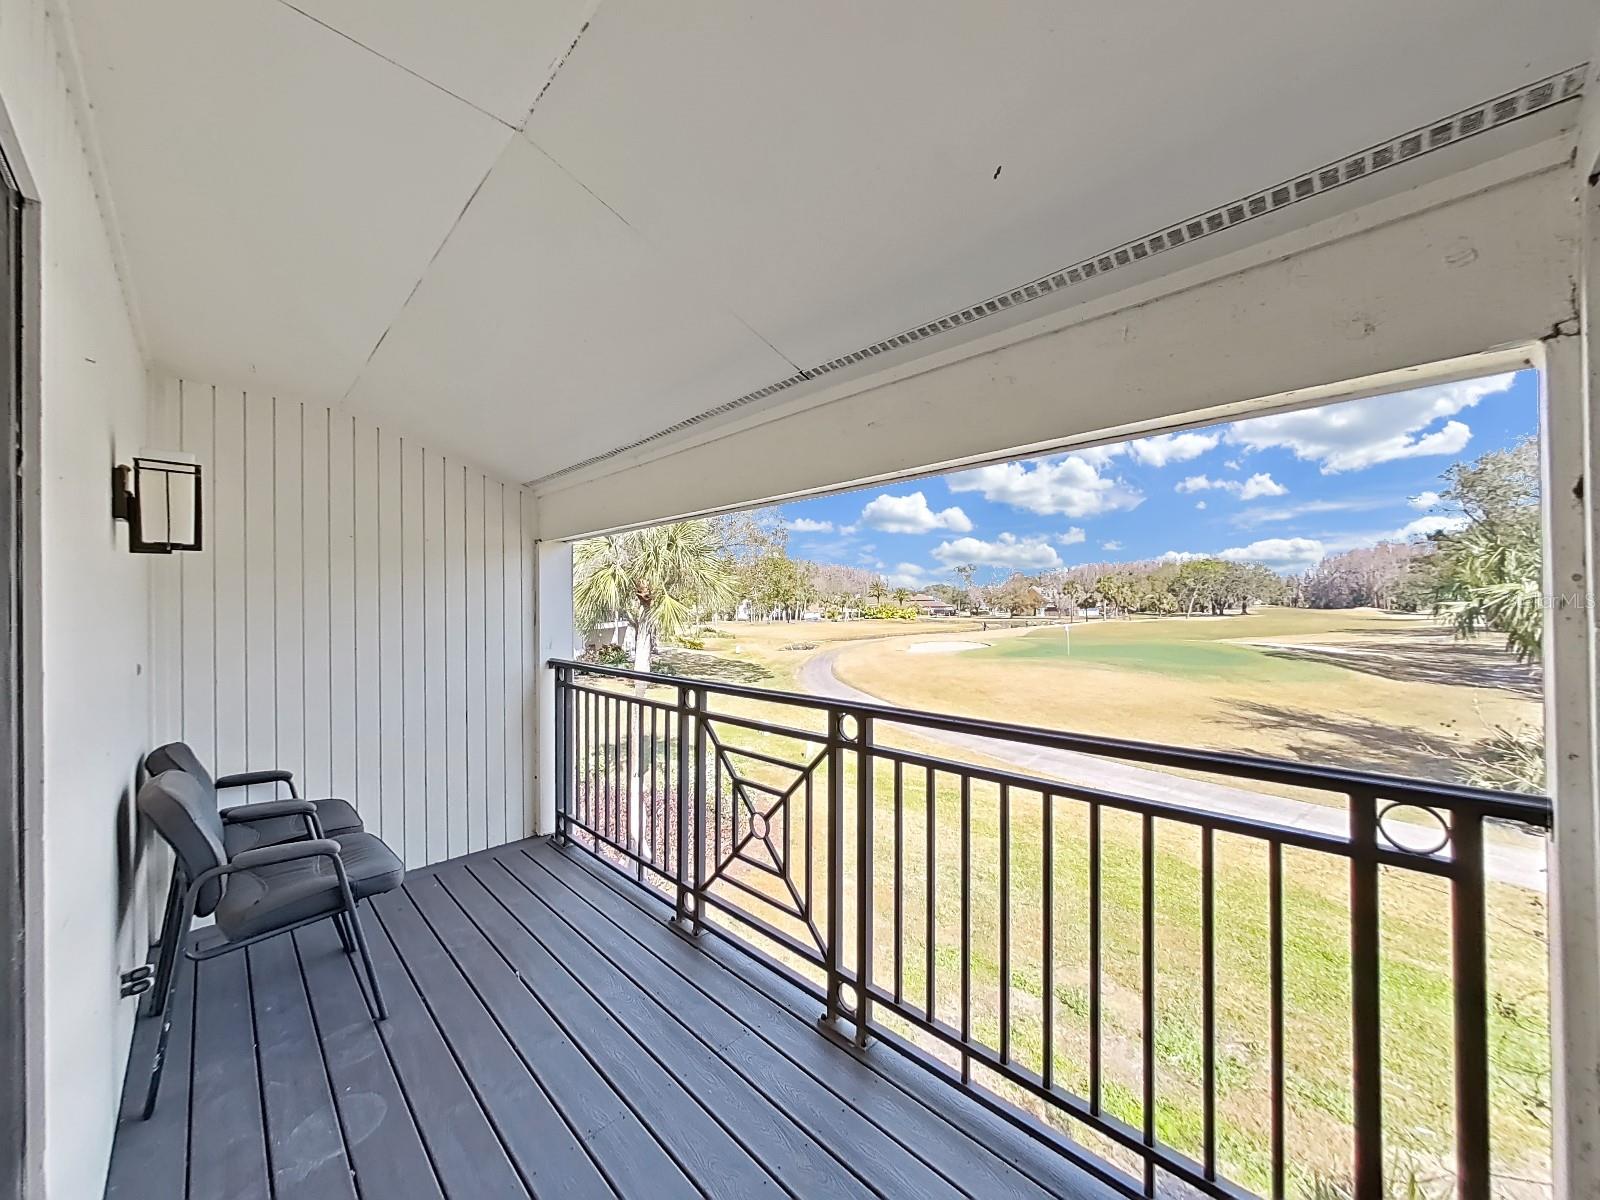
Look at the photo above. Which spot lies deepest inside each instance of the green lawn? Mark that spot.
(1416, 983)
(1158, 673)
(1193, 658)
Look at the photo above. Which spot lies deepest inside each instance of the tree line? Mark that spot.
(1484, 575)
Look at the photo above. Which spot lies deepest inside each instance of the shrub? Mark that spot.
(801, 646)
(1512, 759)
(889, 612)
(607, 656)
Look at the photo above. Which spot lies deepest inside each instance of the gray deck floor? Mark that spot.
(548, 1035)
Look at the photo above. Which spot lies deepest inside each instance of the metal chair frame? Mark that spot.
(182, 900)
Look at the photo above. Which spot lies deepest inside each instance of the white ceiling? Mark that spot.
(349, 198)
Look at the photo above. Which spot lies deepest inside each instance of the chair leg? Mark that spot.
(341, 922)
(160, 1061)
(167, 956)
(380, 1011)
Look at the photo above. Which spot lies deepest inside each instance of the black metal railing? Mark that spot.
(785, 818)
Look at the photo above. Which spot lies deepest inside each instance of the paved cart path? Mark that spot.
(1522, 865)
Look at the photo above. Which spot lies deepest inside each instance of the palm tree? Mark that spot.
(901, 595)
(877, 589)
(1493, 582)
(657, 580)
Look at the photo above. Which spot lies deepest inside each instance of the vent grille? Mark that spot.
(1532, 98)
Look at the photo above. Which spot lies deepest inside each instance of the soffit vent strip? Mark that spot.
(1491, 114)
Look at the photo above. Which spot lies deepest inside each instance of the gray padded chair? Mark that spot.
(249, 826)
(256, 893)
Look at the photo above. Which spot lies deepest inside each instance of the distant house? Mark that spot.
(930, 606)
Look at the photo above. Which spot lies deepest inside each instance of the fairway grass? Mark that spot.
(1416, 990)
(1349, 688)
(1359, 688)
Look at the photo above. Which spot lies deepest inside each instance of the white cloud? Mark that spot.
(1423, 526)
(1362, 433)
(1111, 545)
(1101, 456)
(1071, 486)
(1263, 515)
(807, 525)
(1071, 537)
(1166, 448)
(908, 575)
(1200, 504)
(911, 514)
(1424, 500)
(1336, 543)
(1232, 464)
(1008, 550)
(1261, 484)
(1283, 555)
(1258, 485)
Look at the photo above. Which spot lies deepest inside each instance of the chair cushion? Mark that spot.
(176, 756)
(336, 816)
(372, 867)
(272, 897)
(184, 810)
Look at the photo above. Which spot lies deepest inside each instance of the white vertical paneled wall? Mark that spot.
(88, 712)
(362, 615)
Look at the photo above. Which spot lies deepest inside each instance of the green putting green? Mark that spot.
(1199, 657)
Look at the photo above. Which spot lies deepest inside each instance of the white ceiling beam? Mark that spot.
(1488, 266)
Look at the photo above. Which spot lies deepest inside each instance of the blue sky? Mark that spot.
(1283, 490)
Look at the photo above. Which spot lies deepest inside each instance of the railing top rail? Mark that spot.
(1514, 806)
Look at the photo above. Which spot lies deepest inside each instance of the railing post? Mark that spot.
(681, 871)
(1365, 1001)
(864, 890)
(835, 861)
(698, 807)
(563, 698)
(1469, 966)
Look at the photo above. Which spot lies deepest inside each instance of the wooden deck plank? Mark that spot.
(550, 1034)
(873, 1156)
(719, 1062)
(151, 1158)
(924, 1132)
(467, 1153)
(966, 1140)
(549, 1158)
(382, 1140)
(308, 1155)
(227, 1134)
(633, 1160)
(708, 1154)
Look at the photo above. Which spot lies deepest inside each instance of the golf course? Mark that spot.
(1358, 688)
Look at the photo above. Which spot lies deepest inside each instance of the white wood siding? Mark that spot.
(86, 626)
(360, 616)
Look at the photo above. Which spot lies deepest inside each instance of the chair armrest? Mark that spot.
(287, 852)
(246, 778)
(268, 809)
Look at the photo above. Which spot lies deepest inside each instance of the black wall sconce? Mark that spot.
(159, 498)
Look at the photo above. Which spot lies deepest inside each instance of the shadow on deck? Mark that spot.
(549, 1035)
